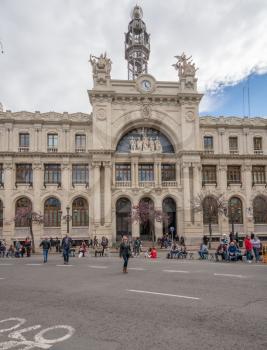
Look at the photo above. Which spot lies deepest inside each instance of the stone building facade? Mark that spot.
(144, 142)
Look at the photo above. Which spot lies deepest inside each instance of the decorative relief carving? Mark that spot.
(190, 116)
(101, 114)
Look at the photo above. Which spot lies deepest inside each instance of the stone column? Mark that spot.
(186, 189)
(222, 177)
(132, 173)
(222, 149)
(178, 175)
(135, 224)
(107, 193)
(197, 187)
(96, 192)
(136, 174)
(9, 210)
(247, 184)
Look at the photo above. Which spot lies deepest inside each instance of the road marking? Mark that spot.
(97, 267)
(64, 265)
(179, 271)
(136, 268)
(2, 278)
(229, 275)
(164, 294)
(33, 264)
(6, 264)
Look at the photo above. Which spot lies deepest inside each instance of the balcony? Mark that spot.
(123, 184)
(233, 151)
(209, 151)
(169, 183)
(79, 150)
(52, 149)
(258, 151)
(146, 184)
(23, 149)
(209, 183)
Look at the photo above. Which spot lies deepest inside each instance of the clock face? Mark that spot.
(146, 85)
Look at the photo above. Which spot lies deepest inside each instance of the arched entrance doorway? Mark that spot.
(123, 217)
(169, 216)
(147, 219)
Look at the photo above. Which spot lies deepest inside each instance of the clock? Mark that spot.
(146, 85)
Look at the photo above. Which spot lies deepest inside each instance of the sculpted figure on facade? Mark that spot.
(185, 66)
(101, 67)
(145, 144)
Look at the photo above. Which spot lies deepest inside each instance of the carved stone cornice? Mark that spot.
(233, 122)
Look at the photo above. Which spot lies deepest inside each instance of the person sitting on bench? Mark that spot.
(203, 251)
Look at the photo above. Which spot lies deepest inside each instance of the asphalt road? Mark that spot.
(163, 304)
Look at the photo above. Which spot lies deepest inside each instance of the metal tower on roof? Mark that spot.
(137, 45)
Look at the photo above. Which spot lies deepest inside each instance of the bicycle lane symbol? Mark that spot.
(40, 341)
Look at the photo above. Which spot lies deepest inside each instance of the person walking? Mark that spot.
(45, 244)
(256, 245)
(248, 246)
(66, 245)
(125, 252)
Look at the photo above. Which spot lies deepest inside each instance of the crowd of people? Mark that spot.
(229, 249)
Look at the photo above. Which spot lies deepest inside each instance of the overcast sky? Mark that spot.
(47, 44)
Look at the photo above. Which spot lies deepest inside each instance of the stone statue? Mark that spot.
(158, 145)
(101, 67)
(139, 144)
(185, 66)
(151, 144)
(132, 144)
(145, 143)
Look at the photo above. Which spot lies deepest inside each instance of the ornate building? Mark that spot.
(144, 142)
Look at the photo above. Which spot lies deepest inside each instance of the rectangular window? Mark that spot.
(52, 174)
(146, 172)
(52, 142)
(80, 174)
(208, 143)
(24, 173)
(123, 172)
(1, 175)
(80, 143)
(233, 174)
(209, 174)
(258, 174)
(168, 172)
(233, 144)
(257, 142)
(24, 140)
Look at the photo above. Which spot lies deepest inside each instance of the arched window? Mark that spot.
(80, 214)
(123, 217)
(210, 211)
(169, 215)
(52, 212)
(235, 210)
(1, 213)
(22, 212)
(260, 210)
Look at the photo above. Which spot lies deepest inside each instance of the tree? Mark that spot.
(146, 214)
(211, 206)
(27, 216)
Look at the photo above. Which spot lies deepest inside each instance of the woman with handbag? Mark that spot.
(125, 252)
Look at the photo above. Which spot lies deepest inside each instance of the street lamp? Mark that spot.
(68, 217)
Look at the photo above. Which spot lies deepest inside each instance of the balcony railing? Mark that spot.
(209, 183)
(52, 149)
(258, 151)
(234, 182)
(146, 183)
(209, 151)
(79, 150)
(23, 149)
(123, 184)
(233, 151)
(169, 183)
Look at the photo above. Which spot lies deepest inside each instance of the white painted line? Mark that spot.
(6, 264)
(179, 271)
(136, 268)
(33, 264)
(164, 294)
(97, 267)
(2, 278)
(64, 265)
(229, 275)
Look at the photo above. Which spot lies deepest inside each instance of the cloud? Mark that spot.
(47, 45)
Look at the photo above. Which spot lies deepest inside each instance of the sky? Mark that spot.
(47, 45)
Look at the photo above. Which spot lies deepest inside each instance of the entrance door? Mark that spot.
(123, 218)
(147, 218)
(169, 216)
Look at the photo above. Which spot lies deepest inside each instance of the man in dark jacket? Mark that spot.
(66, 246)
(46, 246)
(125, 252)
